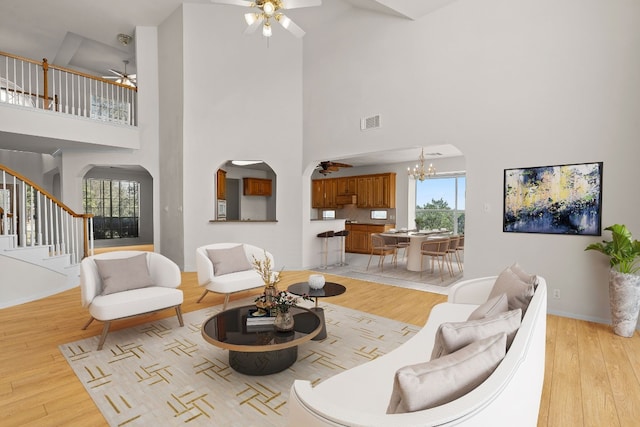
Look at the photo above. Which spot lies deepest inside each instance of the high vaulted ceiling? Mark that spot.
(83, 35)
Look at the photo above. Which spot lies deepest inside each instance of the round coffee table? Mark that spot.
(259, 349)
(330, 289)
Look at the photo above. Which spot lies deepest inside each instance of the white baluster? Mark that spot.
(57, 251)
(52, 227)
(91, 236)
(39, 216)
(45, 202)
(22, 213)
(14, 219)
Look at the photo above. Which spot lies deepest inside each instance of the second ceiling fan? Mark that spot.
(269, 10)
(122, 77)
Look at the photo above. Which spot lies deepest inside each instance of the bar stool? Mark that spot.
(343, 234)
(326, 235)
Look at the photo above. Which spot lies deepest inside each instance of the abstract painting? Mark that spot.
(564, 199)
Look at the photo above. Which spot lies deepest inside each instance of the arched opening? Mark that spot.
(245, 191)
(121, 200)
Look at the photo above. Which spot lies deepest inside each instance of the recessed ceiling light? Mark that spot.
(245, 162)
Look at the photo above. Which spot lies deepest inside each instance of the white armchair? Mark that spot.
(116, 285)
(239, 278)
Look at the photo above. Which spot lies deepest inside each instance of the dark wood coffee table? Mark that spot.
(259, 349)
(330, 289)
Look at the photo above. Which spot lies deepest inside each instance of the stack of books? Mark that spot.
(259, 322)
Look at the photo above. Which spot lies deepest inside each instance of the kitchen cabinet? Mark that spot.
(323, 193)
(377, 191)
(347, 186)
(256, 187)
(371, 191)
(221, 185)
(359, 239)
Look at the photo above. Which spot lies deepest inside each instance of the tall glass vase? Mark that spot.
(271, 295)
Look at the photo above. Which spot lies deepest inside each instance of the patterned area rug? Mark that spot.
(161, 374)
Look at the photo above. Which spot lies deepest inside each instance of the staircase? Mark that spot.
(42, 241)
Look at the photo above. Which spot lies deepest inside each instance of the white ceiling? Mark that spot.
(83, 35)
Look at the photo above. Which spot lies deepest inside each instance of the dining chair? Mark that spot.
(453, 251)
(436, 249)
(459, 250)
(382, 249)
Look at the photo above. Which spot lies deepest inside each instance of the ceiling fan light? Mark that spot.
(250, 18)
(266, 29)
(268, 8)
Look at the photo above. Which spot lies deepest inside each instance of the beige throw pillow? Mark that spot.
(523, 275)
(430, 384)
(493, 306)
(123, 274)
(452, 336)
(519, 293)
(229, 260)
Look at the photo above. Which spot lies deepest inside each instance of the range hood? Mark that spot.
(346, 200)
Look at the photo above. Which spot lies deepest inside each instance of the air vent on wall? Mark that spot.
(372, 122)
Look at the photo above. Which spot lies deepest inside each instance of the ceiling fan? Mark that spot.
(122, 77)
(268, 10)
(328, 167)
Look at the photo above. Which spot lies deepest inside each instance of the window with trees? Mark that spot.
(115, 205)
(440, 203)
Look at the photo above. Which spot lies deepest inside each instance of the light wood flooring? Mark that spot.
(592, 377)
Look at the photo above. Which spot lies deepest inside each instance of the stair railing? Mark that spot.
(34, 84)
(34, 217)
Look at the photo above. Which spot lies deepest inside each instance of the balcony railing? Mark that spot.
(32, 84)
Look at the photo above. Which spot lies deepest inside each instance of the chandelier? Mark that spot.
(419, 172)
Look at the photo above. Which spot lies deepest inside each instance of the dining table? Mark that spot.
(415, 243)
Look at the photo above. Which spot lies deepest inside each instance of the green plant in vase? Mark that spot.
(624, 282)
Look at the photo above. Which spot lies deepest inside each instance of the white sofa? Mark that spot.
(231, 282)
(510, 396)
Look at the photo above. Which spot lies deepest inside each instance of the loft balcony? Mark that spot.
(44, 108)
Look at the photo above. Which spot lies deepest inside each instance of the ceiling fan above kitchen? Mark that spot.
(327, 167)
(122, 77)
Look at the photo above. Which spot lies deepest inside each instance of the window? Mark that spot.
(331, 214)
(440, 203)
(115, 205)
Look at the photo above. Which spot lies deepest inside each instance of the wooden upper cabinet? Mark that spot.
(347, 186)
(372, 191)
(221, 185)
(377, 191)
(330, 191)
(256, 187)
(365, 192)
(323, 193)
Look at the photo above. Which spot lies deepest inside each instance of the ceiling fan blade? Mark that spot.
(234, 2)
(253, 27)
(116, 72)
(294, 4)
(289, 25)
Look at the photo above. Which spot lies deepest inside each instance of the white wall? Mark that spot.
(511, 84)
(242, 100)
(171, 138)
(75, 164)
